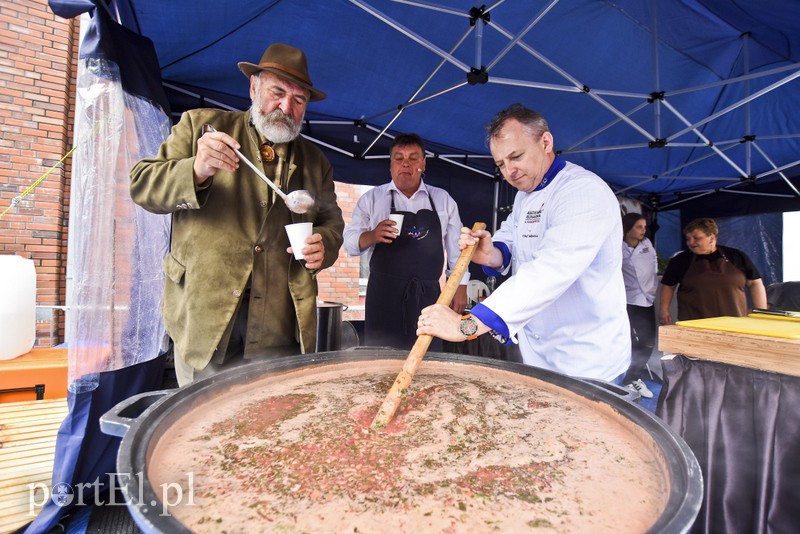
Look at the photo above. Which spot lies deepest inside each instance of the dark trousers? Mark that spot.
(643, 337)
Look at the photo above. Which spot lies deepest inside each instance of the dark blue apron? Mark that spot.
(403, 279)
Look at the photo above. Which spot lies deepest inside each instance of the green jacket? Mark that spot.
(232, 229)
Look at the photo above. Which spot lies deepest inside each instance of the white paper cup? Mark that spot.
(398, 219)
(298, 232)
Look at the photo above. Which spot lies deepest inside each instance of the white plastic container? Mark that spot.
(17, 306)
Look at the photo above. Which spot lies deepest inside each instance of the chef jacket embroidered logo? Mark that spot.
(417, 233)
(534, 216)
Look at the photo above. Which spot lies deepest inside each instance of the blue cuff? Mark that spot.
(492, 320)
(503, 248)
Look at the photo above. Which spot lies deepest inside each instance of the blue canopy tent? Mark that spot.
(679, 104)
(658, 98)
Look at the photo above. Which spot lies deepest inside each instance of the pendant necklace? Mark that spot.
(265, 149)
(267, 152)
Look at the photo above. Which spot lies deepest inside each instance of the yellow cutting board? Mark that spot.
(760, 326)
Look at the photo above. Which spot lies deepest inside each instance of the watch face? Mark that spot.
(468, 326)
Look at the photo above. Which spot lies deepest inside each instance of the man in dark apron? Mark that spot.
(403, 279)
(407, 262)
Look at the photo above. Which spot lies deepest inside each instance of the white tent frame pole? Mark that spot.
(755, 193)
(627, 147)
(666, 177)
(698, 160)
(737, 79)
(782, 175)
(478, 62)
(739, 140)
(449, 158)
(693, 197)
(778, 169)
(400, 112)
(402, 109)
(738, 104)
(656, 74)
(328, 145)
(516, 39)
(648, 180)
(412, 35)
(710, 144)
(411, 101)
(606, 127)
(595, 95)
(432, 7)
(563, 88)
(199, 96)
(748, 130)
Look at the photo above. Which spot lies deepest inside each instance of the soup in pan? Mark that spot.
(470, 449)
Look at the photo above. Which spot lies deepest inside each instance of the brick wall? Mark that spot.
(38, 62)
(340, 282)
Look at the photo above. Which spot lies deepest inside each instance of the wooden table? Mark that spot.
(756, 351)
(27, 445)
(45, 367)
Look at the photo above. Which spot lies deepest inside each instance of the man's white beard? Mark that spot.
(276, 125)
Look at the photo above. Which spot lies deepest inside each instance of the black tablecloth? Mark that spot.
(744, 427)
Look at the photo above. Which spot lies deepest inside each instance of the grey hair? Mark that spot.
(532, 121)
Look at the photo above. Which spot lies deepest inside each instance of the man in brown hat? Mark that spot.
(233, 291)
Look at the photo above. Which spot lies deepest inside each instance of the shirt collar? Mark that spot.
(421, 188)
(558, 164)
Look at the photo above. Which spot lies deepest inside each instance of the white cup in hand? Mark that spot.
(298, 232)
(398, 220)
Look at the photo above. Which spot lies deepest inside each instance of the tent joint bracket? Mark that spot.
(476, 13)
(656, 95)
(477, 76)
(658, 143)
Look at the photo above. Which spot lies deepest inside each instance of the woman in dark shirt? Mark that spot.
(711, 278)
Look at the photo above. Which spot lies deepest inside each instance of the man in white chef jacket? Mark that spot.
(565, 301)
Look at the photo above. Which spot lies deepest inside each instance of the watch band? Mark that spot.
(468, 327)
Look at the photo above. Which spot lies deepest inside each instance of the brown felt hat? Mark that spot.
(287, 62)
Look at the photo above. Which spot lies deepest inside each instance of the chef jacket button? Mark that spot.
(536, 337)
(258, 248)
(264, 204)
(237, 293)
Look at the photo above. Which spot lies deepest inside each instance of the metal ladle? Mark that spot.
(299, 201)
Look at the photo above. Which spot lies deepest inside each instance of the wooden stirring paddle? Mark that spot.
(403, 380)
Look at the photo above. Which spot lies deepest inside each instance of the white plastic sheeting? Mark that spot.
(115, 248)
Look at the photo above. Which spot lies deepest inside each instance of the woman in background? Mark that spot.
(639, 268)
(711, 279)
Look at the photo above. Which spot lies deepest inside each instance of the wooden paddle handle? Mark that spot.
(403, 380)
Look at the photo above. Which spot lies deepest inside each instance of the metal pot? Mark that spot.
(143, 419)
(329, 325)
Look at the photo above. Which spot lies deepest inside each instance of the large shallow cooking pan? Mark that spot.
(144, 420)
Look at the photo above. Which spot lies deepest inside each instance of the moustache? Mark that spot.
(278, 116)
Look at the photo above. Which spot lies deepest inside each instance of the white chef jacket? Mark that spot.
(374, 206)
(566, 298)
(639, 268)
